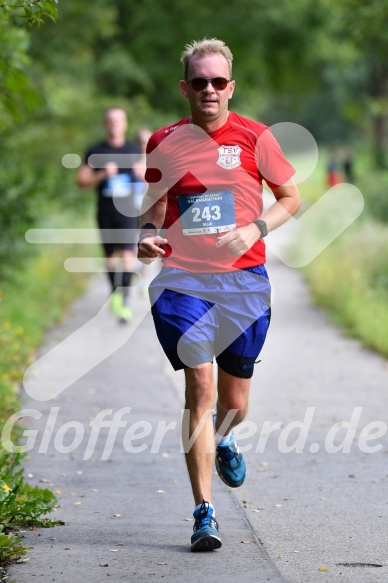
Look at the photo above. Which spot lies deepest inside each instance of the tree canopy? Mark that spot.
(316, 62)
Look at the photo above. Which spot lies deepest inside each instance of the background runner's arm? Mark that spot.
(87, 177)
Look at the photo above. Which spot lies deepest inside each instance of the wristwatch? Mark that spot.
(262, 226)
(147, 230)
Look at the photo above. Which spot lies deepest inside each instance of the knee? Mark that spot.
(233, 402)
(200, 393)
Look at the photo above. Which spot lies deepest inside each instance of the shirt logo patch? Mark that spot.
(229, 157)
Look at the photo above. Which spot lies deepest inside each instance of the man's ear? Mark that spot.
(183, 88)
(232, 85)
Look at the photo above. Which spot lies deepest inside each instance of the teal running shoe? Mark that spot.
(205, 536)
(230, 464)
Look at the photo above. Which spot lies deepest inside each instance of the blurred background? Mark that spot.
(322, 64)
(319, 63)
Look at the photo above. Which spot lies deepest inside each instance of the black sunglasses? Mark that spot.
(200, 83)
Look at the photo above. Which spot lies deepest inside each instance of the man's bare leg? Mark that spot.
(198, 425)
(200, 396)
(233, 395)
(232, 406)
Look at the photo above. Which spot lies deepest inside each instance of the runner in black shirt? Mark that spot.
(108, 167)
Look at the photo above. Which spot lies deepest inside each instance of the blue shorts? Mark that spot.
(199, 316)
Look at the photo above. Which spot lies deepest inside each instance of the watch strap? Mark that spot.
(147, 230)
(262, 226)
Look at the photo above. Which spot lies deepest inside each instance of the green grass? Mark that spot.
(315, 184)
(30, 304)
(31, 301)
(350, 277)
(21, 505)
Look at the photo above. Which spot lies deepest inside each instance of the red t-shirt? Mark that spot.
(214, 184)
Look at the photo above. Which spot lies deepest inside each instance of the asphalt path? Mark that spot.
(314, 505)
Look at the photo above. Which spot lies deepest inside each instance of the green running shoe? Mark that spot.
(125, 314)
(116, 303)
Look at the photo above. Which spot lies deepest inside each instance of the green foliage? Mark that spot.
(350, 278)
(33, 11)
(17, 95)
(272, 46)
(20, 505)
(360, 45)
(17, 210)
(10, 547)
(375, 186)
(25, 314)
(319, 63)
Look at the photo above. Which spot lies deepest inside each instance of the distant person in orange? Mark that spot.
(334, 175)
(114, 187)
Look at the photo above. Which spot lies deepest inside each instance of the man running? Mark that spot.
(203, 214)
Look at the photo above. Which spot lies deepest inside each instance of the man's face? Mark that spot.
(116, 123)
(209, 104)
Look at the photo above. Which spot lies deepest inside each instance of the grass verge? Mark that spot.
(350, 277)
(32, 300)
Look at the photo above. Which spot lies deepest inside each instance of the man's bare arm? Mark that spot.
(153, 212)
(287, 204)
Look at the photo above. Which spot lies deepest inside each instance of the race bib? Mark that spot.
(117, 186)
(207, 213)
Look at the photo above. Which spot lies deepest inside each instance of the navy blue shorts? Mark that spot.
(201, 316)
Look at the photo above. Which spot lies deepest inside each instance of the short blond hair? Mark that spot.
(206, 46)
(113, 108)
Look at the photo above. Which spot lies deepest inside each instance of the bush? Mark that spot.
(20, 505)
(350, 278)
(375, 188)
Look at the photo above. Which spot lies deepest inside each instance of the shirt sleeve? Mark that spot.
(154, 163)
(273, 167)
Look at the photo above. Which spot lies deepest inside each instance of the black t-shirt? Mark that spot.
(115, 192)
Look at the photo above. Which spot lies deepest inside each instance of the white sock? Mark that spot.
(210, 506)
(223, 439)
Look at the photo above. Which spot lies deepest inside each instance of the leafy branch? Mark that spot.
(33, 11)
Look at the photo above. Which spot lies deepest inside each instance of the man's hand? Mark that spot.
(240, 240)
(149, 250)
(87, 177)
(111, 169)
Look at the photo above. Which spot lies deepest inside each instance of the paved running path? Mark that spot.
(129, 516)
